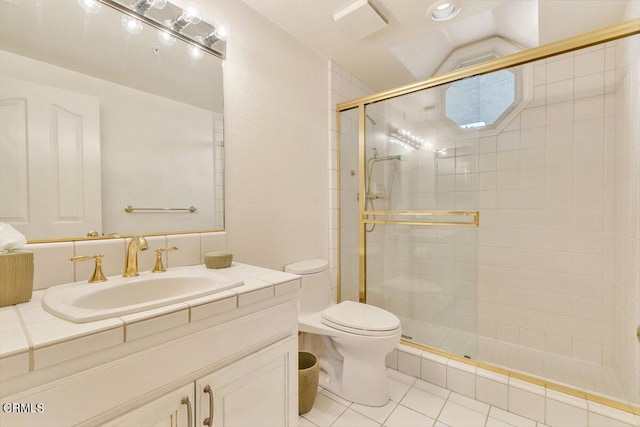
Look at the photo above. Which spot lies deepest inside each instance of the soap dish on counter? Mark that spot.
(218, 259)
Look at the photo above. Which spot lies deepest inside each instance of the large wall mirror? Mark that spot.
(94, 118)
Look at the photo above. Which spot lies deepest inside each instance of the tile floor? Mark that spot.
(414, 403)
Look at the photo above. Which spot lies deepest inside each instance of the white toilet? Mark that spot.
(355, 338)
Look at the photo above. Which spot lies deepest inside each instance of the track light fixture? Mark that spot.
(186, 24)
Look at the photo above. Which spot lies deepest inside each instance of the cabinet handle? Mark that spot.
(185, 401)
(209, 421)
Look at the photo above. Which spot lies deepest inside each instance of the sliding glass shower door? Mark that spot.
(421, 205)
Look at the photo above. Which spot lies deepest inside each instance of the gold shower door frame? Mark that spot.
(603, 35)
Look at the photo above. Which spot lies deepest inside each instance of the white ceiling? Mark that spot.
(412, 46)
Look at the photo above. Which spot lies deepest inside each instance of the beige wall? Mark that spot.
(276, 191)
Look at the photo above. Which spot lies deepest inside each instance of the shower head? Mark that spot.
(377, 158)
(396, 157)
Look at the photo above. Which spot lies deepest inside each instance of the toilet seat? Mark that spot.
(360, 319)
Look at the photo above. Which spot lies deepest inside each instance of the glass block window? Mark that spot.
(479, 101)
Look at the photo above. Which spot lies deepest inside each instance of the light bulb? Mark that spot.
(219, 33)
(222, 32)
(131, 24)
(196, 52)
(90, 6)
(166, 38)
(192, 13)
(159, 4)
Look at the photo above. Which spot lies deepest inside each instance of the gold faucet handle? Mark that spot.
(97, 275)
(159, 268)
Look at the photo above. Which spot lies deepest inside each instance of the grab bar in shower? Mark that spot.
(131, 209)
(474, 218)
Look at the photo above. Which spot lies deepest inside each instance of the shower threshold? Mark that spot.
(581, 375)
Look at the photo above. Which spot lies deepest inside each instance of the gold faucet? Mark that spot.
(159, 268)
(97, 275)
(131, 260)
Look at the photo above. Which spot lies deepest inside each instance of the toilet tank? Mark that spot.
(315, 289)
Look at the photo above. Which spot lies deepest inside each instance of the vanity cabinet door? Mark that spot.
(174, 409)
(258, 390)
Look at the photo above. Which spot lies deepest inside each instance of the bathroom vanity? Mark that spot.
(225, 359)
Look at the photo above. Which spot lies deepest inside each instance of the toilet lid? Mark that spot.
(360, 319)
(309, 266)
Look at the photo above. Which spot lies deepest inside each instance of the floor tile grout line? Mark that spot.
(346, 408)
(390, 413)
(397, 404)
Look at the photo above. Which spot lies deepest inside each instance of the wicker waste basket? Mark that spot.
(16, 277)
(308, 373)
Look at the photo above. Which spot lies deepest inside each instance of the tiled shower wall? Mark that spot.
(625, 280)
(343, 86)
(545, 243)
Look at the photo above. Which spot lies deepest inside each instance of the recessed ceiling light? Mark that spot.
(443, 10)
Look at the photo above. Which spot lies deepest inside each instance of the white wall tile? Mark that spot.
(188, 253)
(564, 410)
(492, 388)
(597, 420)
(533, 117)
(461, 378)
(112, 262)
(409, 361)
(588, 131)
(532, 138)
(559, 113)
(527, 400)
(560, 91)
(433, 369)
(560, 68)
(559, 134)
(591, 85)
(588, 108)
(211, 242)
(51, 265)
(590, 63)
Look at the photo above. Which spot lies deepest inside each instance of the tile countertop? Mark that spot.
(31, 338)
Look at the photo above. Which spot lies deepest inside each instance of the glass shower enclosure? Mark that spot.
(494, 210)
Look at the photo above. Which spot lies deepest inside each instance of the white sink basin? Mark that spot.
(85, 302)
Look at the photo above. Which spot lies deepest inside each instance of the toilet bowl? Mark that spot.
(355, 338)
